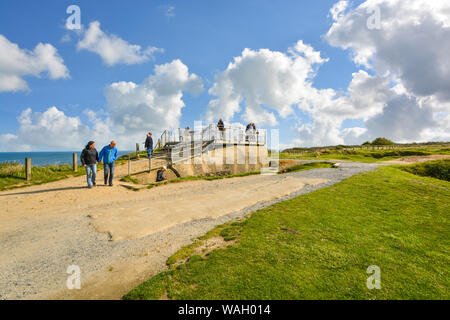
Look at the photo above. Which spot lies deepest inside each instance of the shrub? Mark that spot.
(439, 169)
(397, 153)
(382, 142)
(11, 169)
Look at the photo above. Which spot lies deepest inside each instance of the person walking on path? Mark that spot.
(149, 147)
(89, 158)
(108, 155)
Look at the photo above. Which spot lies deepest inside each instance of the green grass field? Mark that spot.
(319, 246)
(366, 155)
(12, 175)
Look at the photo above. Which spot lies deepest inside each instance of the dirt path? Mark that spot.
(44, 229)
(417, 159)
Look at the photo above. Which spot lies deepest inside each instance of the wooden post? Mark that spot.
(137, 150)
(224, 154)
(75, 162)
(28, 168)
(129, 165)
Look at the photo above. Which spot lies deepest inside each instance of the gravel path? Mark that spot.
(45, 229)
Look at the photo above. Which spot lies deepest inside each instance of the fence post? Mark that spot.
(28, 168)
(137, 150)
(75, 162)
(129, 165)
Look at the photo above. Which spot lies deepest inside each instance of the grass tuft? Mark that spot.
(364, 155)
(439, 169)
(308, 166)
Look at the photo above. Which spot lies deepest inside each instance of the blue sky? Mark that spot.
(204, 35)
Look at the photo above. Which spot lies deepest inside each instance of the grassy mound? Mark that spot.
(365, 155)
(308, 166)
(439, 169)
(319, 246)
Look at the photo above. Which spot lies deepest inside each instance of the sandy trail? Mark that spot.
(44, 229)
(417, 159)
(187, 202)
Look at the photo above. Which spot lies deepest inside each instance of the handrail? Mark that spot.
(230, 134)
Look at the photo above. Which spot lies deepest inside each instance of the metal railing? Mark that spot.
(229, 134)
(182, 145)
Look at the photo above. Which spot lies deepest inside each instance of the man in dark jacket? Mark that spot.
(221, 128)
(89, 158)
(149, 147)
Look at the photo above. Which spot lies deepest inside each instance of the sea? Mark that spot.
(42, 159)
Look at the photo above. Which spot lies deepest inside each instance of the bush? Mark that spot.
(439, 169)
(11, 169)
(382, 142)
(397, 153)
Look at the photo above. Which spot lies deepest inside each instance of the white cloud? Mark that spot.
(51, 128)
(263, 81)
(321, 132)
(403, 119)
(411, 47)
(132, 110)
(408, 97)
(155, 104)
(9, 143)
(353, 136)
(113, 49)
(338, 10)
(16, 63)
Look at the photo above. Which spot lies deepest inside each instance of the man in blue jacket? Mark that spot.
(108, 155)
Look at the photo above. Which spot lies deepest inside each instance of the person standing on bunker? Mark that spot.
(108, 155)
(221, 128)
(149, 147)
(89, 158)
(248, 130)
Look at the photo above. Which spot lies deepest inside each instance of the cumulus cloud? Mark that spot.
(403, 119)
(17, 63)
(338, 9)
(132, 110)
(154, 104)
(407, 97)
(113, 49)
(267, 84)
(52, 126)
(51, 129)
(411, 47)
(262, 81)
(9, 143)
